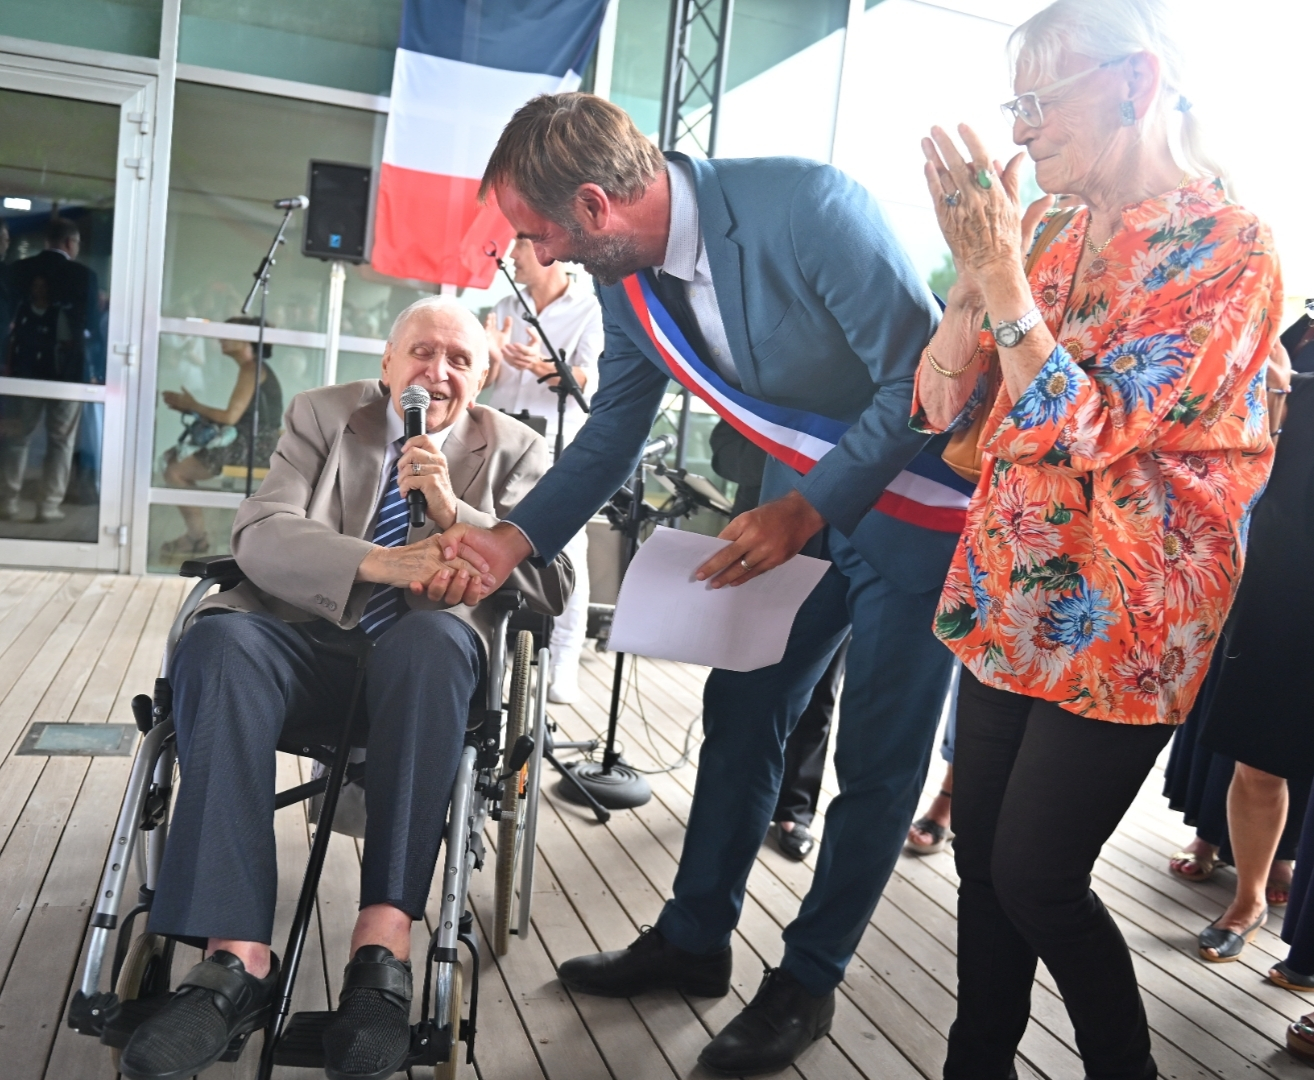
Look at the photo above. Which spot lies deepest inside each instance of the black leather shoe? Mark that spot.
(796, 843)
(650, 963)
(369, 1037)
(781, 1021)
(216, 1005)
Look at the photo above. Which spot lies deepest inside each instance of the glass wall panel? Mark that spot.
(169, 523)
(342, 43)
(122, 26)
(57, 177)
(354, 366)
(46, 493)
(234, 153)
(203, 416)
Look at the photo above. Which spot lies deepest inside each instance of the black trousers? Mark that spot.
(805, 752)
(242, 681)
(1037, 791)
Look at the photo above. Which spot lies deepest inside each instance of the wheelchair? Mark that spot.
(497, 779)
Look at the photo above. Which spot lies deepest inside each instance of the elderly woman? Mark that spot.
(1119, 394)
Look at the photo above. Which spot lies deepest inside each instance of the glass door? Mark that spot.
(74, 157)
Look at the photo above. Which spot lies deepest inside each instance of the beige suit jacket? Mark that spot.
(302, 536)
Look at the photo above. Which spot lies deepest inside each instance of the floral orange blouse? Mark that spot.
(1105, 539)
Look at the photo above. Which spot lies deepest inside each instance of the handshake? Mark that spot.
(462, 565)
(466, 563)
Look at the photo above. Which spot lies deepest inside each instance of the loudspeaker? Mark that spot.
(339, 211)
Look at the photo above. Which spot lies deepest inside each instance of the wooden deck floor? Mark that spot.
(76, 647)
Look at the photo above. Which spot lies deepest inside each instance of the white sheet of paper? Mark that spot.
(664, 612)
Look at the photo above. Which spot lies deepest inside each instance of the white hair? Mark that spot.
(444, 304)
(1108, 30)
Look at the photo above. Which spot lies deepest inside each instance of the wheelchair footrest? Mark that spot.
(302, 1044)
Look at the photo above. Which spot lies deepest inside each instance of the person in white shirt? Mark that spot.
(572, 320)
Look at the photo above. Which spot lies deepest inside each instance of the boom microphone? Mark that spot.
(297, 202)
(415, 403)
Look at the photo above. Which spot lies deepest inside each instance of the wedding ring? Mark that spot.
(744, 564)
(415, 468)
(952, 198)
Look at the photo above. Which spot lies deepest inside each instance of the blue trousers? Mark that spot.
(243, 681)
(894, 688)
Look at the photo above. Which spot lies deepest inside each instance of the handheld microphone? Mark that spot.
(297, 202)
(415, 403)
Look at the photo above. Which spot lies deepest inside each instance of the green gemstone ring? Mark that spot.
(983, 180)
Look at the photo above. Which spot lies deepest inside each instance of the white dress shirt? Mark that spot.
(573, 323)
(686, 259)
(396, 429)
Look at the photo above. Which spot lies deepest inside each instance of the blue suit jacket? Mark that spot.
(824, 312)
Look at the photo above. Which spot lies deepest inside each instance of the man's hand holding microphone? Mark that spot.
(423, 480)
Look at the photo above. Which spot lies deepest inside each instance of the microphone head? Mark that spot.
(296, 202)
(415, 397)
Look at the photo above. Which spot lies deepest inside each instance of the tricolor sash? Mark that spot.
(927, 493)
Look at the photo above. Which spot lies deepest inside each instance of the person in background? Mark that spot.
(1124, 442)
(52, 335)
(572, 320)
(1259, 706)
(738, 460)
(1199, 782)
(209, 461)
(931, 833)
(1298, 340)
(1270, 650)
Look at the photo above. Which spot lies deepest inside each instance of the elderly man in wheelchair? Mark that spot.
(334, 609)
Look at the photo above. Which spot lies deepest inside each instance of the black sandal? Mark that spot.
(941, 835)
(1226, 944)
(216, 1006)
(369, 1037)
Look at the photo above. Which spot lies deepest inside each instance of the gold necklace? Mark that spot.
(1098, 251)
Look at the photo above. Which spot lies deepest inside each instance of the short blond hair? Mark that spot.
(557, 142)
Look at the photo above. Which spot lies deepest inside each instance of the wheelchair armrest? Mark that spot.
(220, 568)
(506, 599)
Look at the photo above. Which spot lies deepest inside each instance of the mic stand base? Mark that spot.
(620, 788)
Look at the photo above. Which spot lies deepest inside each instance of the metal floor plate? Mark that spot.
(79, 740)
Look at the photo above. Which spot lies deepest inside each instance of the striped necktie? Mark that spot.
(386, 605)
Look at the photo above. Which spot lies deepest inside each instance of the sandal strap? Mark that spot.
(932, 828)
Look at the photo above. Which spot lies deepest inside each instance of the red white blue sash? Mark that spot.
(927, 493)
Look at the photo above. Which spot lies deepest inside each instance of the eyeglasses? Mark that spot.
(1026, 107)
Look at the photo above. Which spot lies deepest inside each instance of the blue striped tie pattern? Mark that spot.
(386, 605)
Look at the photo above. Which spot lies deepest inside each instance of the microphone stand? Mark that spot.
(566, 383)
(261, 285)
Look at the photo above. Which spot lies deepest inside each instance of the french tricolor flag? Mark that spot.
(463, 68)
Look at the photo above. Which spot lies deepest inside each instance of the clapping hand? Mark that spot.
(976, 203)
(526, 357)
(181, 400)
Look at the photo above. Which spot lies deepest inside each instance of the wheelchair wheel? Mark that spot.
(145, 973)
(511, 826)
(447, 1070)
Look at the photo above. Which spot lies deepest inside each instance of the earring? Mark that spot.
(1128, 114)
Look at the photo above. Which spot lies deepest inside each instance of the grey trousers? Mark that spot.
(19, 424)
(240, 681)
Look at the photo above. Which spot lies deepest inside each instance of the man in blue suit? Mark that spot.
(786, 281)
